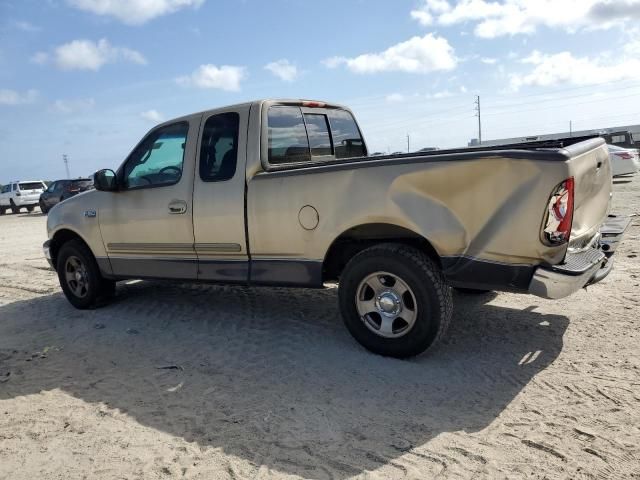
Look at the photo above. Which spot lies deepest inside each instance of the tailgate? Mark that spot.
(590, 167)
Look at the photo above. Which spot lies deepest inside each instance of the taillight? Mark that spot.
(557, 228)
(624, 155)
(310, 104)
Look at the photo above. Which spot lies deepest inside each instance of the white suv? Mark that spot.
(16, 195)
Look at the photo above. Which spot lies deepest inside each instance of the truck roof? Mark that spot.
(288, 101)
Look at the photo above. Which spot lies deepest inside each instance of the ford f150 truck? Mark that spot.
(283, 193)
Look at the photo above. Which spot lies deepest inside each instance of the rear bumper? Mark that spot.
(26, 200)
(583, 268)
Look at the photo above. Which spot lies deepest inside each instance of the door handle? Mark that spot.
(177, 207)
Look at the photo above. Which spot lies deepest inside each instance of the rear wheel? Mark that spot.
(14, 207)
(394, 300)
(30, 208)
(80, 277)
(3, 210)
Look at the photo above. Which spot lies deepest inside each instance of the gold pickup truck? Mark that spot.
(282, 192)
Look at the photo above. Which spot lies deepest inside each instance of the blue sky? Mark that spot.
(88, 78)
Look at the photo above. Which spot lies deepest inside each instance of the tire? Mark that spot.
(75, 256)
(43, 208)
(3, 210)
(30, 208)
(14, 207)
(425, 307)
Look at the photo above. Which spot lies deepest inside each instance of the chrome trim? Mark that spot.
(218, 248)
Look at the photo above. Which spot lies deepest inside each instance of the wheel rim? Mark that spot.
(76, 277)
(386, 305)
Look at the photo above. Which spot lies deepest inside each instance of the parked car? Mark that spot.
(60, 190)
(17, 195)
(251, 194)
(624, 161)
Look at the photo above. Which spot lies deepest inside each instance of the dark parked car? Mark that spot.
(61, 190)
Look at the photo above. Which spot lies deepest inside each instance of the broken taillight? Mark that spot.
(557, 228)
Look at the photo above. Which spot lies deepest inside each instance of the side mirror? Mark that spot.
(105, 180)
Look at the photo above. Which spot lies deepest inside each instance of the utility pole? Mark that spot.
(570, 128)
(408, 143)
(66, 164)
(477, 104)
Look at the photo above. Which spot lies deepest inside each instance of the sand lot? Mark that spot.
(208, 382)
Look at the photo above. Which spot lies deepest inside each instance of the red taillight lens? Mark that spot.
(311, 104)
(624, 155)
(559, 219)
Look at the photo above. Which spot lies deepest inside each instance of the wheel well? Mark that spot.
(359, 238)
(60, 238)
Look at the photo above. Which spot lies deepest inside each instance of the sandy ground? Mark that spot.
(198, 381)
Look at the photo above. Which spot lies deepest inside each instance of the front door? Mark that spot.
(147, 226)
(219, 191)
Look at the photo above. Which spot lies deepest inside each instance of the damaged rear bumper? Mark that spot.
(582, 268)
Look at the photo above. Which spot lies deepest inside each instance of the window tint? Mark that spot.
(219, 147)
(318, 133)
(158, 160)
(81, 184)
(288, 141)
(618, 139)
(52, 187)
(31, 186)
(347, 140)
(5, 189)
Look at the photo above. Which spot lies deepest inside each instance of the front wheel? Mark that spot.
(80, 277)
(43, 207)
(394, 300)
(14, 208)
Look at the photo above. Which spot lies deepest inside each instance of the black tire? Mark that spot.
(3, 210)
(97, 288)
(43, 207)
(426, 281)
(14, 207)
(472, 291)
(30, 208)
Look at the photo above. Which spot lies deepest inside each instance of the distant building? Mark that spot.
(624, 136)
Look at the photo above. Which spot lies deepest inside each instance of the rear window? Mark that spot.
(295, 137)
(31, 186)
(318, 132)
(81, 183)
(346, 135)
(288, 141)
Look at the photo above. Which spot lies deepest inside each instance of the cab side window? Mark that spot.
(158, 160)
(219, 147)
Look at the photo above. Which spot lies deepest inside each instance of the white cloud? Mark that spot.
(283, 69)
(489, 60)
(511, 17)
(13, 97)
(133, 12)
(73, 106)
(88, 55)
(152, 115)
(225, 77)
(564, 68)
(416, 55)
